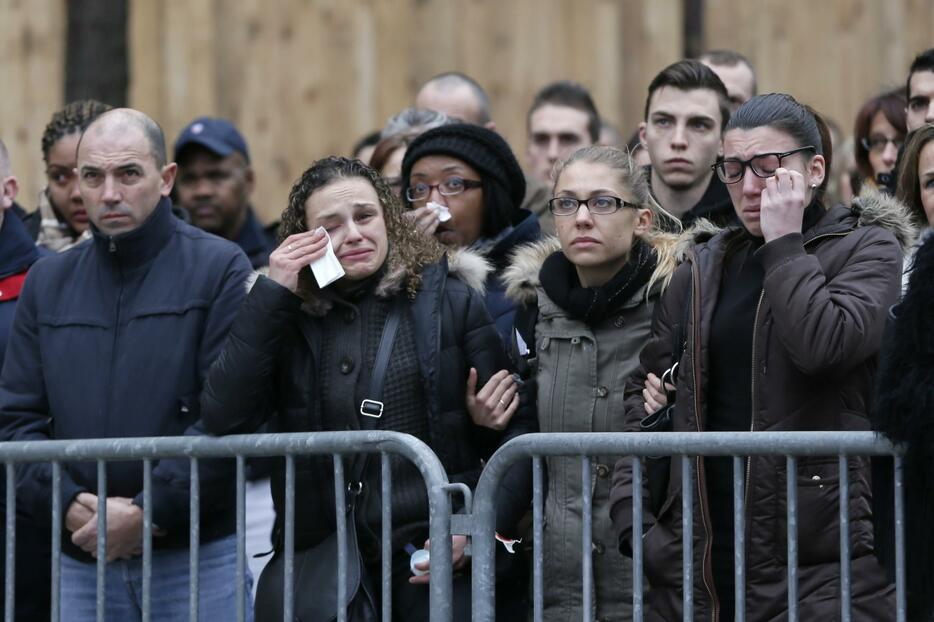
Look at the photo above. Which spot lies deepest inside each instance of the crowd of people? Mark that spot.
(738, 264)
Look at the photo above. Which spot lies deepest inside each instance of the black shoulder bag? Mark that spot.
(658, 468)
(315, 569)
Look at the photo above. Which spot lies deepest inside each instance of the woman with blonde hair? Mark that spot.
(585, 303)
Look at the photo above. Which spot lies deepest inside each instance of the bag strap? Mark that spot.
(371, 408)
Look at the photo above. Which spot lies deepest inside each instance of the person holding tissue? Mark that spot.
(465, 188)
(303, 349)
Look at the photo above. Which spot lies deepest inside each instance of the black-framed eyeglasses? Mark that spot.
(568, 206)
(877, 143)
(764, 165)
(447, 188)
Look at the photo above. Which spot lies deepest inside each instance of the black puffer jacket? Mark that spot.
(267, 371)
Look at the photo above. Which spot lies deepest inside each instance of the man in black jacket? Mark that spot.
(112, 339)
(18, 252)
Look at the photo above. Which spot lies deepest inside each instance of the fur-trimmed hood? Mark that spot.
(884, 210)
(466, 265)
(870, 208)
(521, 277)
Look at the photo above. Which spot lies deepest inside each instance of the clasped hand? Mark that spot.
(124, 525)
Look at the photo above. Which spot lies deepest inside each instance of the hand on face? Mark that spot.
(296, 252)
(783, 203)
(425, 220)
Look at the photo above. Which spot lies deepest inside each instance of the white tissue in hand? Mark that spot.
(327, 269)
(444, 214)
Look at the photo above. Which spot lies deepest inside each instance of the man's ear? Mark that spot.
(490, 125)
(642, 127)
(168, 173)
(8, 191)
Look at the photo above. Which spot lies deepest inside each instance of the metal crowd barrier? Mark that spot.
(336, 444)
(687, 444)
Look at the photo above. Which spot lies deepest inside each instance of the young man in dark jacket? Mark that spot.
(112, 339)
(686, 109)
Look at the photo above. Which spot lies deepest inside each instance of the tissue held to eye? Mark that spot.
(327, 269)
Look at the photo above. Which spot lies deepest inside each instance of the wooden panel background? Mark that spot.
(306, 78)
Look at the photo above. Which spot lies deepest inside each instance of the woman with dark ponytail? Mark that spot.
(785, 315)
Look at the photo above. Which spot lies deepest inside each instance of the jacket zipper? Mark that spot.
(116, 338)
(752, 420)
(707, 567)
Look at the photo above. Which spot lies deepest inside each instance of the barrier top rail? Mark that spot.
(247, 445)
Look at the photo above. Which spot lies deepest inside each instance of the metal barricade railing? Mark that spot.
(636, 446)
(195, 448)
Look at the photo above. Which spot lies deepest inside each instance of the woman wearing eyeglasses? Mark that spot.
(879, 133)
(465, 188)
(784, 322)
(585, 305)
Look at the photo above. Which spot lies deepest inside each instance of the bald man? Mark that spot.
(112, 338)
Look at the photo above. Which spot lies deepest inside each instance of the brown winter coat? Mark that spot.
(818, 329)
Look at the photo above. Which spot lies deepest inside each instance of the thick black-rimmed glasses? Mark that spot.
(568, 206)
(764, 165)
(448, 187)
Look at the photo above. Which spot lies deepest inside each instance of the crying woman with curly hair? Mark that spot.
(302, 355)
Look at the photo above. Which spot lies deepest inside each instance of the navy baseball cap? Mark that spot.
(218, 136)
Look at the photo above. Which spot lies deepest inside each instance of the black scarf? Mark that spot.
(593, 304)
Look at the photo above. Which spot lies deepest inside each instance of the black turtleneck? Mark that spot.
(729, 394)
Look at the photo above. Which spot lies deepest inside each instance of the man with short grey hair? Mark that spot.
(18, 253)
(113, 339)
(736, 73)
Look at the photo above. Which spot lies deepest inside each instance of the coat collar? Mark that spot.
(17, 249)
(142, 244)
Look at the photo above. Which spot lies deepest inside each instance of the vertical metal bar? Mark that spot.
(340, 516)
(101, 540)
(386, 525)
(10, 587)
(900, 593)
(241, 540)
(587, 539)
(739, 539)
(56, 589)
(636, 539)
(687, 547)
(440, 552)
(147, 539)
(288, 594)
(538, 596)
(194, 541)
(844, 540)
(791, 487)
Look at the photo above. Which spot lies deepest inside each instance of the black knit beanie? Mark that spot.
(483, 149)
